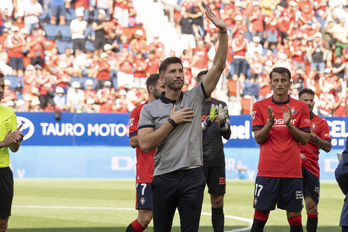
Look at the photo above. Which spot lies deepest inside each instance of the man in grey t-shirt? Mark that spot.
(172, 125)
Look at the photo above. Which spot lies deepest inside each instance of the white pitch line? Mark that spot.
(113, 208)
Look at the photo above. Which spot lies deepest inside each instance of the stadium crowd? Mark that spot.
(93, 56)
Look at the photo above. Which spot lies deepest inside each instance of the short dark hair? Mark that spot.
(2, 75)
(281, 71)
(166, 62)
(305, 90)
(200, 74)
(152, 80)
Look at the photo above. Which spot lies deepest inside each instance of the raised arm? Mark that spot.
(211, 79)
(299, 135)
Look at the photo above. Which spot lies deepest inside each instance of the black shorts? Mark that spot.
(6, 191)
(144, 196)
(286, 193)
(283, 34)
(311, 185)
(16, 63)
(216, 179)
(99, 43)
(79, 44)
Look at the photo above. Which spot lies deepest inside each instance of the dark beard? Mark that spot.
(172, 86)
(156, 94)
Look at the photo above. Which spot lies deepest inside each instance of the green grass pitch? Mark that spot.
(86, 205)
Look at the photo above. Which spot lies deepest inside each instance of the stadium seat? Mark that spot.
(89, 46)
(14, 81)
(247, 35)
(51, 31)
(65, 32)
(70, 15)
(62, 45)
(247, 103)
(84, 79)
(44, 14)
(78, 79)
(19, 96)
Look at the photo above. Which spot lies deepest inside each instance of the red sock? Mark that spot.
(137, 226)
(295, 221)
(312, 215)
(261, 215)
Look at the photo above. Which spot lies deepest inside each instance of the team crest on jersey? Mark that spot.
(314, 126)
(253, 115)
(293, 110)
(142, 200)
(131, 121)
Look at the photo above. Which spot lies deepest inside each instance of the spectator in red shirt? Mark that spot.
(103, 68)
(286, 20)
(152, 64)
(326, 103)
(265, 88)
(4, 68)
(256, 21)
(105, 98)
(256, 65)
(89, 91)
(68, 59)
(35, 47)
(239, 46)
(226, 14)
(201, 55)
(121, 105)
(139, 70)
(112, 60)
(340, 105)
(83, 5)
(45, 80)
(132, 13)
(125, 62)
(271, 22)
(158, 47)
(30, 88)
(138, 44)
(9, 94)
(62, 78)
(121, 9)
(14, 44)
(53, 60)
(238, 26)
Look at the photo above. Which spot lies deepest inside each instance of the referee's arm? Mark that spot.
(13, 139)
(219, 63)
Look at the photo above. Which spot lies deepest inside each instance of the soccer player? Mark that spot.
(341, 174)
(215, 123)
(172, 125)
(279, 124)
(319, 137)
(145, 162)
(10, 137)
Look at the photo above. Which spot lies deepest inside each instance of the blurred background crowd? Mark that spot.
(94, 55)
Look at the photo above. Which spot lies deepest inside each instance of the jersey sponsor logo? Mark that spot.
(314, 126)
(307, 120)
(27, 128)
(299, 195)
(222, 181)
(280, 122)
(142, 200)
(253, 115)
(131, 122)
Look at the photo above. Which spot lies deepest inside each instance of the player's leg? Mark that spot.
(144, 207)
(265, 200)
(165, 195)
(312, 214)
(217, 212)
(3, 223)
(311, 189)
(290, 199)
(191, 198)
(295, 221)
(6, 196)
(217, 187)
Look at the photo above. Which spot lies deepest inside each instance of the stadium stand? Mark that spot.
(312, 45)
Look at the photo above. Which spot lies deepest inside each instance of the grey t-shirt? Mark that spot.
(182, 147)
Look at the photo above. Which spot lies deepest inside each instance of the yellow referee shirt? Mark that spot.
(8, 121)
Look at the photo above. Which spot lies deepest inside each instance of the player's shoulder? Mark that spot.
(264, 102)
(318, 120)
(218, 102)
(6, 112)
(297, 103)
